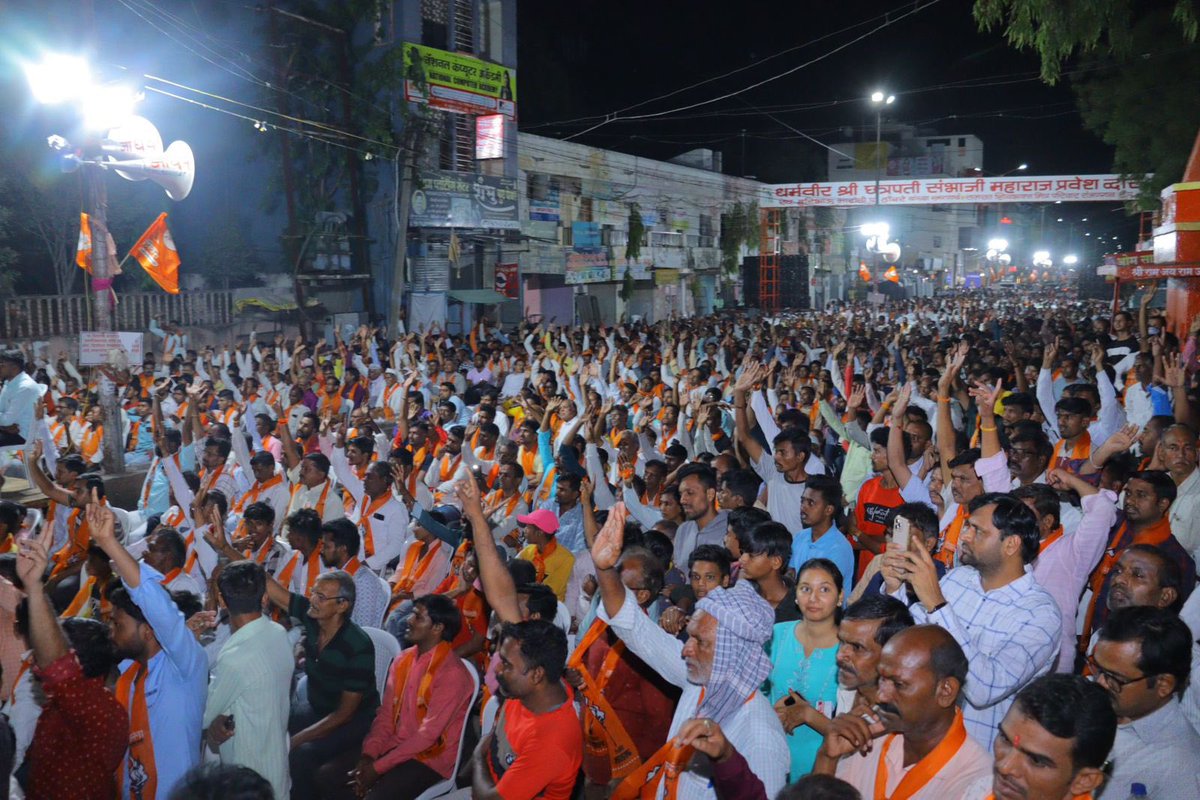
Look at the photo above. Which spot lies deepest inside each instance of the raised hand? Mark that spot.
(1174, 371)
(101, 521)
(986, 396)
(607, 548)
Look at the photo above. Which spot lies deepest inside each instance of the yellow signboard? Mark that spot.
(457, 82)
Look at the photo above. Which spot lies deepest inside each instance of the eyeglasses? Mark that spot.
(323, 597)
(1111, 678)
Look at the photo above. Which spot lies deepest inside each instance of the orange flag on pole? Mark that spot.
(83, 250)
(892, 275)
(864, 273)
(156, 252)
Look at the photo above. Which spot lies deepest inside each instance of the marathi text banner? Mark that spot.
(945, 191)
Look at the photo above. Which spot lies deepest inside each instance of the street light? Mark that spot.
(1041, 258)
(1070, 259)
(58, 79)
(879, 99)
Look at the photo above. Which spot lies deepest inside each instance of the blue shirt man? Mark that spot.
(831, 545)
(176, 685)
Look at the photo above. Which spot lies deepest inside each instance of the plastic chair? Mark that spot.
(445, 787)
(386, 649)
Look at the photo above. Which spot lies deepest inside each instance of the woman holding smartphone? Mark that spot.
(803, 680)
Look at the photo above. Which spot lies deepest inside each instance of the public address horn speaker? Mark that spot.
(135, 152)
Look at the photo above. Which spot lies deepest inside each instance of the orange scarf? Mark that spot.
(1080, 451)
(210, 477)
(949, 543)
(449, 467)
(313, 569)
(256, 491)
(170, 576)
(320, 507)
(1122, 538)
(174, 517)
(329, 402)
(666, 765)
(77, 543)
(400, 674)
(285, 577)
(90, 443)
(540, 556)
(1054, 536)
(131, 693)
(547, 485)
(369, 507)
(81, 601)
(603, 732)
(924, 770)
(388, 413)
(496, 502)
(529, 461)
(25, 664)
(413, 569)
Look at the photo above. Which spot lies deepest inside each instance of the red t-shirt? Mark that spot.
(536, 755)
(871, 511)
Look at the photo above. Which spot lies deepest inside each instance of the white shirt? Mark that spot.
(371, 597)
(753, 730)
(389, 522)
(1160, 750)
(18, 401)
(783, 496)
(969, 764)
(252, 682)
(1185, 513)
(310, 497)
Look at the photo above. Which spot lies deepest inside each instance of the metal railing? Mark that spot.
(43, 315)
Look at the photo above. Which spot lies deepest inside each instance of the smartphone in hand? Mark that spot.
(900, 531)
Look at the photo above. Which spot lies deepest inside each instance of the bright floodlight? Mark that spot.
(107, 107)
(58, 79)
(875, 229)
(1023, 166)
(998, 244)
(1071, 259)
(876, 97)
(1041, 256)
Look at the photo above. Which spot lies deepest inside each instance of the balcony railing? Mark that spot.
(41, 316)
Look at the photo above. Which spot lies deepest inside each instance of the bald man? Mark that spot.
(921, 675)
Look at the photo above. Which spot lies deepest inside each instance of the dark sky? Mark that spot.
(588, 58)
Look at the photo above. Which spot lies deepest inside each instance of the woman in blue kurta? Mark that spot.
(803, 681)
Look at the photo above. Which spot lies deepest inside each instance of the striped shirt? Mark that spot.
(347, 664)
(1010, 635)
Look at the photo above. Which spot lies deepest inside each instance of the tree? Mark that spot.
(49, 216)
(1126, 104)
(1144, 55)
(1058, 29)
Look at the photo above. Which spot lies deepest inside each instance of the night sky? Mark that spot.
(587, 59)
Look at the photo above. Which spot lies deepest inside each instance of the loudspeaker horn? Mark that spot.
(174, 170)
(137, 139)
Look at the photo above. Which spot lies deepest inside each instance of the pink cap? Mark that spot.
(543, 519)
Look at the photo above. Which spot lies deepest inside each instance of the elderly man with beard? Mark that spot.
(719, 669)
(1053, 743)
(925, 753)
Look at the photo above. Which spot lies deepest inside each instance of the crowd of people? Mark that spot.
(943, 548)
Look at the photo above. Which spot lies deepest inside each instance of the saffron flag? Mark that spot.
(83, 250)
(892, 275)
(864, 273)
(156, 252)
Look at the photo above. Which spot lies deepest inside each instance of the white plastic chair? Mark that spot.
(33, 521)
(449, 785)
(122, 522)
(386, 649)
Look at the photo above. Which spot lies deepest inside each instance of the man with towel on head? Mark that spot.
(719, 669)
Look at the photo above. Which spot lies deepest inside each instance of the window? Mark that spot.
(435, 24)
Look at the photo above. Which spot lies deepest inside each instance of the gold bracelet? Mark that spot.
(943, 399)
(986, 429)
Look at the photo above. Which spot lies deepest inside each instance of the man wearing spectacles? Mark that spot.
(339, 660)
(1144, 658)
